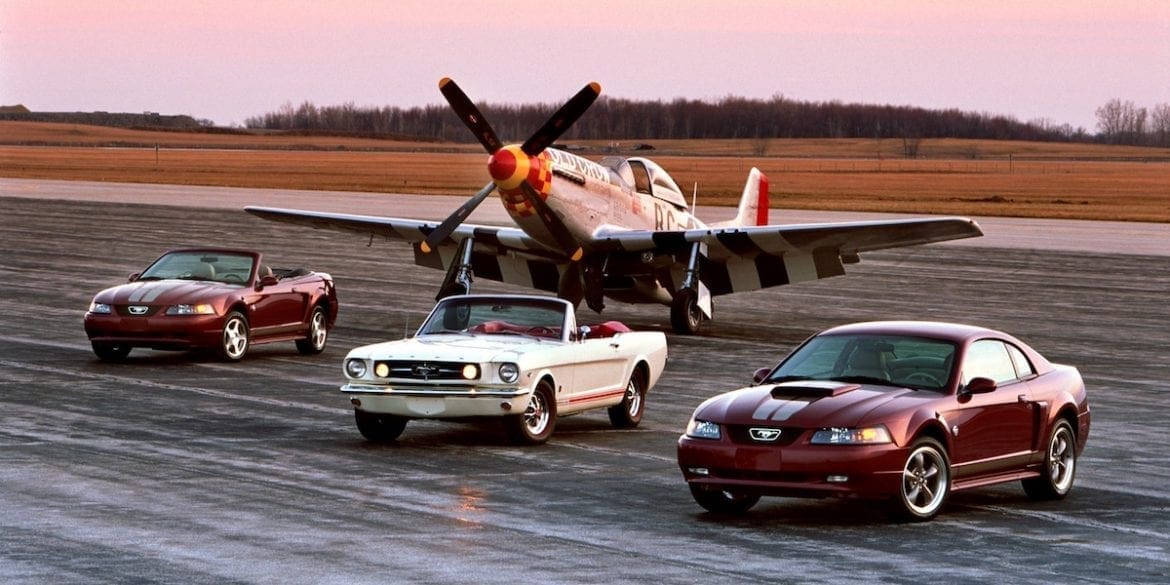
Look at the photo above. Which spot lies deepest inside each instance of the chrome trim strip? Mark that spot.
(436, 391)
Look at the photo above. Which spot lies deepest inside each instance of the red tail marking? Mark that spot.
(762, 202)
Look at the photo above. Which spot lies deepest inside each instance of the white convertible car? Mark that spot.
(516, 357)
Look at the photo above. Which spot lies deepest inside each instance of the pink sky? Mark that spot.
(229, 60)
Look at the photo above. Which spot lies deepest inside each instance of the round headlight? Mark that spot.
(470, 372)
(509, 372)
(382, 370)
(355, 368)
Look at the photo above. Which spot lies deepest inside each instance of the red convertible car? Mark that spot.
(227, 300)
(903, 411)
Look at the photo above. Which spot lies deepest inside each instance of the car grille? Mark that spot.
(423, 370)
(742, 434)
(136, 310)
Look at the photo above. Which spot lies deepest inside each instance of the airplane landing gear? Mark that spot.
(459, 276)
(691, 304)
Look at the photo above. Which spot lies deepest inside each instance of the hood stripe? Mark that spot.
(779, 410)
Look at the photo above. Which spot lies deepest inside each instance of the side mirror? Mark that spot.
(760, 374)
(133, 277)
(980, 386)
(583, 332)
(266, 281)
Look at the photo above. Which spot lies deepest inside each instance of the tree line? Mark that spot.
(623, 119)
(1121, 122)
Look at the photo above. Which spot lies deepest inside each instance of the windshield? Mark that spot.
(197, 265)
(905, 361)
(489, 316)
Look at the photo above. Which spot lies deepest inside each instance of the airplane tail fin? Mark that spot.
(753, 204)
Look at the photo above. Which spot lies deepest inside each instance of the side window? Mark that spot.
(641, 177)
(988, 358)
(1024, 368)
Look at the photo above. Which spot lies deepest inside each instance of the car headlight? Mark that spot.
(190, 310)
(701, 429)
(355, 368)
(100, 308)
(852, 436)
(470, 372)
(509, 372)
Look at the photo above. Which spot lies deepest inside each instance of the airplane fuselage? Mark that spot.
(593, 198)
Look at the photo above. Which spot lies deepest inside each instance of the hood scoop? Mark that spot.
(812, 389)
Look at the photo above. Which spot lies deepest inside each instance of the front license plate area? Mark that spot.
(757, 459)
(426, 406)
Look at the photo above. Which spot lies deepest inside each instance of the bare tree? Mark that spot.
(1160, 124)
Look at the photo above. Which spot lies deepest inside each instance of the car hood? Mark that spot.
(461, 347)
(164, 292)
(808, 404)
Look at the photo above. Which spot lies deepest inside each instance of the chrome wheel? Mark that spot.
(925, 481)
(318, 333)
(234, 341)
(628, 413)
(535, 425)
(1060, 465)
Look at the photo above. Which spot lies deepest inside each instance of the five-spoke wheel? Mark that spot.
(1060, 465)
(318, 335)
(926, 481)
(234, 338)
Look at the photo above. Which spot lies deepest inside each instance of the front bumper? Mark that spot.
(158, 331)
(437, 401)
(796, 470)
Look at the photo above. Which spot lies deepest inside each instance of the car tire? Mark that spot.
(111, 352)
(234, 337)
(379, 428)
(1060, 465)
(720, 501)
(535, 425)
(628, 413)
(686, 318)
(318, 336)
(926, 482)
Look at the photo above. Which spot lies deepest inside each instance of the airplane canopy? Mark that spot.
(645, 176)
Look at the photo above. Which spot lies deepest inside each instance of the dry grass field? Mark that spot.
(1074, 181)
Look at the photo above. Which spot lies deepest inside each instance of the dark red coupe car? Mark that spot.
(902, 411)
(215, 298)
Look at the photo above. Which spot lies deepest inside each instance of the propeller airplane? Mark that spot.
(619, 228)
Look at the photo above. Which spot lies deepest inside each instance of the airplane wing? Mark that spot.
(753, 257)
(504, 254)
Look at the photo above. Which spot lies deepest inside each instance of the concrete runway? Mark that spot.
(175, 468)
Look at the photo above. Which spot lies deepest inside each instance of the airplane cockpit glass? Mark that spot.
(644, 176)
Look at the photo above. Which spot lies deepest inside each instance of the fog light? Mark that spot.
(699, 470)
(837, 478)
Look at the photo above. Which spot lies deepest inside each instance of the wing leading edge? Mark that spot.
(739, 259)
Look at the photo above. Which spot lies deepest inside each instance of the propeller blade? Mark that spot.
(470, 115)
(556, 227)
(440, 233)
(562, 120)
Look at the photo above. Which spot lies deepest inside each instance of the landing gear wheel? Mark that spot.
(536, 424)
(233, 341)
(318, 333)
(628, 413)
(111, 352)
(685, 315)
(719, 501)
(1060, 465)
(379, 428)
(926, 482)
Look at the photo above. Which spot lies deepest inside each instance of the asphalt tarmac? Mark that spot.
(176, 468)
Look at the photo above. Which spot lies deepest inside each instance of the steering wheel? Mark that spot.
(923, 378)
(230, 277)
(541, 331)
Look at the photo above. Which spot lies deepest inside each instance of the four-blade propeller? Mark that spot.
(471, 117)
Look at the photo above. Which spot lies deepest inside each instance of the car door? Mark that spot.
(991, 431)
(276, 309)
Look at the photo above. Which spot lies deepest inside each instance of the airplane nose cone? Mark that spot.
(509, 166)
